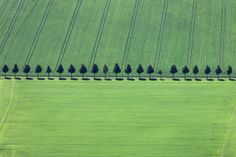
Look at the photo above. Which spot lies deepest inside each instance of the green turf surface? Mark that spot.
(157, 32)
(102, 118)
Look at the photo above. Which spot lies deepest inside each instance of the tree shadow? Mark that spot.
(29, 78)
(188, 79)
(85, 79)
(50, 78)
(176, 79)
(62, 79)
(231, 79)
(107, 79)
(7, 78)
(17, 78)
(40, 78)
(73, 79)
(162, 79)
(131, 79)
(119, 79)
(197, 79)
(142, 79)
(152, 79)
(221, 79)
(97, 79)
(210, 79)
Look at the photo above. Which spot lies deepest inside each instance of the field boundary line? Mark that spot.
(130, 34)
(192, 33)
(99, 33)
(4, 13)
(9, 104)
(9, 30)
(38, 33)
(68, 34)
(161, 34)
(222, 32)
(227, 131)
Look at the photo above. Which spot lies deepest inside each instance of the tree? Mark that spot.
(173, 70)
(185, 71)
(71, 70)
(105, 70)
(160, 73)
(207, 71)
(83, 70)
(229, 71)
(116, 69)
(94, 70)
(218, 71)
(15, 69)
(139, 70)
(26, 70)
(150, 70)
(195, 71)
(128, 70)
(38, 69)
(60, 70)
(48, 71)
(5, 69)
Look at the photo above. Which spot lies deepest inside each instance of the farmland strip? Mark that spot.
(99, 34)
(222, 32)
(130, 34)
(4, 13)
(8, 32)
(40, 28)
(68, 35)
(161, 33)
(192, 32)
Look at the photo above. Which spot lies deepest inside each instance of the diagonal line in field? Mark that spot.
(9, 104)
(130, 34)
(69, 32)
(9, 30)
(222, 32)
(38, 33)
(192, 33)
(99, 34)
(227, 131)
(4, 13)
(161, 34)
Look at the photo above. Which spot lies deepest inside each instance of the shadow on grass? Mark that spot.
(152, 79)
(131, 79)
(97, 79)
(73, 79)
(50, 78)
(161, 79)
(7, 78)
(188, 79)
(210, 79)
(85, 79)
(232, 79)
(142, 79)
(176, 79)
(198, 79)
(41, 78)
(62, 79)
(108, 79)
(119, 79)
(29, 78)
(221, 79)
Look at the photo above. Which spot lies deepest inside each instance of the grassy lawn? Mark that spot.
(117, 119)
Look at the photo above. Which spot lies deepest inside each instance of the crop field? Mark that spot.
(98, 119)
(156, 32)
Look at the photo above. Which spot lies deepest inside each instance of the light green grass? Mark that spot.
(100, 118)
(208, 32)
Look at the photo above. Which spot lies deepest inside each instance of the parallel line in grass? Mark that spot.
(130, 34)
(161, 34)
(192, 33)
(9, 104)
(68, 34)
(99, 34)
(38, 33)
(222, 32)
(4, 13)
(9, 30)
(227, 132)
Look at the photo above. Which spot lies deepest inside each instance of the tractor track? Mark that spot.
(68, 34)
(99, 34)
(9, 30)
(192, 32)
(161, 33)
(4, 13)
(38, 33)
(222, 32)
(130, 34)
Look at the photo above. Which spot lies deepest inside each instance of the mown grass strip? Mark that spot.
(69, 32)
(130, 34)
(222, 32)
(99, 34)
(192, 32)
(9, 30)
(161, 33)
(37, 35)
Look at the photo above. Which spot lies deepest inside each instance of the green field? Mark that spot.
(111, 119)
(157, 32)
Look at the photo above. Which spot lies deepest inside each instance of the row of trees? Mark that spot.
(116, 69)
